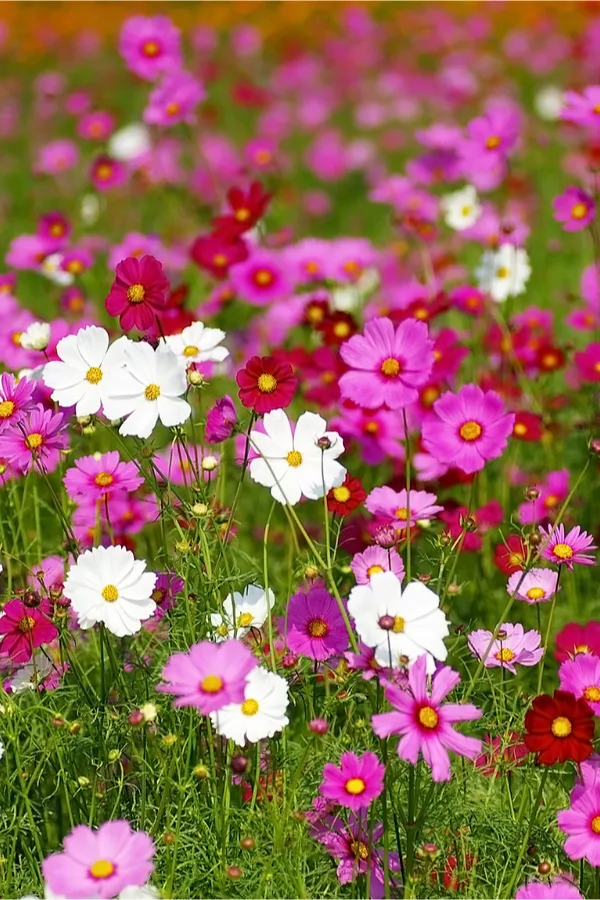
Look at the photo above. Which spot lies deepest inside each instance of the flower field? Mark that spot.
(299, 450)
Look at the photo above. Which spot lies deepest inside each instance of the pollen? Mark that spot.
(94, 375)
(242, 214)
(520, 429)
(341, 494)
(317, 628)
(263, 278)
(16, 338)
(103, 479)
(398, 626)
(535, 593)
(245, 620)
(492, 142)
(136, 293)
(102, 868)
(429, 396)
(355, 786)
(505, 655)
(7, 408)
(592, 693)
(341, 329)
(470, 431)
(34, 440)
(152, 392)
(219, 260)
(151, 49)
(294, 459)
(428, 717)
(359, 849)
(402, 513)
(371, 427)
(502, 272)
(212, 684)
(595, 824)
(191, 350)
(561, 727)
(26, 624)
(374, 570)
(249, 707)
(104, 172)
(172, 109)
(266, 383)
(110, 593)
(390, 367)
(563, 551)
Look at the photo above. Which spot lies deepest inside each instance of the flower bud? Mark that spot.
(83, 781)
(386, 622)
(195, 378)
(595, 445)
(534, 539)
(136, 717)
(74, 728)
(318, 726)
(247, 843)
(239, 764)
(31, 598)
(113, 755)
(324, 443)
(502, 635)
(233, 872)
(168, 838)
(36, 336)
(386, 536)
(545, 868)
(532, 493)
(199, 509)
(311, 572)
(149, 712)
(200, 772)
(209, 463)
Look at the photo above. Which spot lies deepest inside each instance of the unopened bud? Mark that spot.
(209, 463)
(502, 635)
(168, 838)
(114, 755)
(386, 536)
(74, 728)
(534, 539)
(199, 509)
(239, 764)
(319, 726)
(595, 445)
(83, 781)
(200, 772)
(233, 872)
(247, 843)
(545, 868)
(311, 572)
(31, 599)
(136, 717)
(195, 378)
(386, 623)
(324, 443)
(532, 493)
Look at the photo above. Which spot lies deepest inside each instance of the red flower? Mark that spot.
(549, 358)
(138, 292)
(22, 628)
(575, 639)
(266, 384)
(528, 427)
(343, 499)
(337, 328)
(316, 311)
(559, 728)
(247, 208)
(217, 254)
(510, 556)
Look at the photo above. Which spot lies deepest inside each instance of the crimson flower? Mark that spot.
(217, 253)
(510, 556)
(22, 628)
(337, 328)
(138, 292)
(247, 207)
(528, 427)
(343, 499)
(266, 383)
(559, 728)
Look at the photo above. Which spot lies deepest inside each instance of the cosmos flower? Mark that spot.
(510, 646)
(581, 677)
(174, 100)
(261, 279)
(575, 639)
(313, 625)
(241, 612)
(261, 714)
(461, 209)
(138, 292)
(197, 344)
(555, 889)
(16, 400)
(504, 272)
(100, 475)
(559, 728)
(22, 628)
(36, 441)
(574, 208)
(537, 586)
(266, 383)
(401, 507)
(354, 845)
(375, 560)
(567, 548)
(150, 45)
(347, 497)
(582, 825)
(355, 783)
(221, 420)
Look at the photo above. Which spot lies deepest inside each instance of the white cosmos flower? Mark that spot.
(36, 336)
(198, 344)
(149, 388)
(548, 102)
(504, 272)
(400, 624)
(79, 378)
(108, 584)
(31, 674)
(462, 208)
(90, 209)
(51, 268)
(296, 465)
(129, 142)
(261, 715)
(241, 612)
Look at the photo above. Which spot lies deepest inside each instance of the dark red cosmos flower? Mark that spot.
(510, 556)
(22, 628)
(549, 358)
(337, 327)
(138, 292)
(575, 639)
(343, 499)
(528, 427)
(266, 383)
(217, 254)
(316, 311)
(247, 207)
(559, 728)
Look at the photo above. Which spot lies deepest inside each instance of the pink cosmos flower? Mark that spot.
(556, 889)
(552, 492)
(537, 586)
(511, 646)
(36, 440)
(57, 156)
(23, 628)
(561, 548)
(150, 45)
(398, 506)
(260, 279)
(424, 723)
(468, 429)
(100, 863)
(174, 100)
(589, 776)
(96, 126)
(354, 846)
(378, 433)
(106, 173)
(582, 109)
(355, 783)
(16, 400)
(588, 362)
(221, 420)
(582, 825)
(313, 625)
(98, 476)
(48, 573)
(174, 465)
(375, 560)
(387, 365)
(574, 208)
(363, 661)
(581, 677)
(209, 675)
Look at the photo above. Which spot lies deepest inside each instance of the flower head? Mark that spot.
(260, 715)
(511, 646)
(375, 560)
(101, 475)
(574, 208)
(567, 549)
(355, 783)
(16, 399)
(221, 420)
(582, 825)
(558, 889)
(198, 344)
(537, 586)
(313, 625)
(575, 639)
(504, 272)
(174, 100)
(35, 441)
(242, 612)
(402, 507)
(22, 628)
(581, 677)
(150, 45)
(138, 292)
(559, 728)
(266, 383)
(208, 676)
(261, 279)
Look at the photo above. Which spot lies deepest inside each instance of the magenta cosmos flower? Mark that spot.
(374, 560)
(36, 440)
(511, 646)
(261, 279)
(559, 889)
(150, 45)
(402, 507)
(174, 100)
(354, 845)
(98, 476)
(567, 549)
(588, 362)
(356, 783)
(138, 292)
(387, 365)
(425, 724)
(468, 429)
(16, 400)
(574, 209)
(221, 420)
(537, 586)
(582, 109)
(23, 628)
(100, 863)
(582, 825)
(209, 675)
(314, 625)
(581, 677)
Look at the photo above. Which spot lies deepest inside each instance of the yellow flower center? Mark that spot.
(561, 727)
(249, 707)
(7, 408)
(402, 513)
(219, 260)
(579, 211)
(152, 392)
(104, 172)
(317, 628)
(492, 142)
(263, 157)
(222, 631)
(520, 429)
(341, 494)
(263, 277)
(103, 479)
(390, 367)
(580, 648)
(359, 849)
(16, 338)
(294, 459)
(502, 272)
(266, 383)
(535, 593)
(505, 655)
(212, 684)
(151, 49)
(428, 717)
(466, 211)
(341, 329)
(102, 868)
(245, 620)
(26, 624)
(592, 693)
(371, 427)
(355, 786)
(563, 551)
(191, 350)
(34, 440)
(110, 593)
(398, 626)
(172, 109)
(136, 293)
(93, 375)
(242, 214)
(374, 570)
(470, 431)
(595, 824)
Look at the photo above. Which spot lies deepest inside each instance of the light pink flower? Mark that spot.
(209, 675)
(537, 586)
(511, 645)
(374, 560)
(567, 549)
(400, 507)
